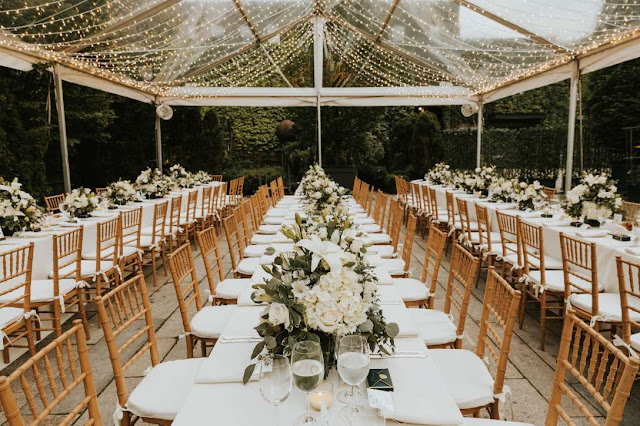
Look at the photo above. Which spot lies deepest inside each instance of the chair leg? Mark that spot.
(543, 318)
(57, 312)
(203, 348)
(523, 303)
(153, 267)
(494, 410)
(163, 253)
(189, 342)
(83, 313)
(5, 352)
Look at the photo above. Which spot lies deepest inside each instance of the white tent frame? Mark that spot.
(573, 66)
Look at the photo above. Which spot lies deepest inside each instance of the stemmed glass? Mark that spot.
(353, 367)
(307, 368)
(64, 208)
(275, 380)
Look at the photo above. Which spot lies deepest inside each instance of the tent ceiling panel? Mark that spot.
(153, 46)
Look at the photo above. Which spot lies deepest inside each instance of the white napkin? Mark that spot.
(278, 212)
(32, 234)
(592, 234)
(373, 259)
(400, 315)
(529, 214)
(280, 238)
(240, 327)
(407, 348)
(259, 276)
(244, 299)
(633, 250)
(227, 363)
(267, 259)
(616, 229)
(558, 223)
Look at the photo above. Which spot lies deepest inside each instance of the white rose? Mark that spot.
(331, 318)
(278, 314)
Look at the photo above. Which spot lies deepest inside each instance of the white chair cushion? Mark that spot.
(87, 268)
(554, 281)
(273, 220)
(269, 229)
(248, 265)
(370, 228)
(473, 226)
(410, 289)
(435, 327)
(379, 238)
(10, 315)
(441, 217)
(232, 288)
(608, 306)
(145, 241)
(470, 421)
(162, 392)
(211, 320)
(465, 376)
(385, 251)
(549, 262)
(255, 250)
(127, 250)
(495, 237)
(41, 290)
(635, 341)
(511, 259)
(261, 239)
(393, 266)
(146, 230)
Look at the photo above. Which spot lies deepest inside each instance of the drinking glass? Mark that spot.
(64, 208)
(353, 367)
(275, 380)
(307, 368)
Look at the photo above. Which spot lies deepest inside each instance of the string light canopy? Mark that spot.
(374, 52)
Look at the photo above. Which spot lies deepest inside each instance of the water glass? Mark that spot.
(307, 368)
(275, 380)
(353, 368)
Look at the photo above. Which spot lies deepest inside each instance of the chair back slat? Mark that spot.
(380, 209)
(484, 227)
(52, 203)
(451, 210)
(208, 243)
(462, 275)
(396, 226)
(595, 366)
(433, 256)
(433, 201)
(216, 178)
(532, 244)
(185, 282)
(629, 288)
(45, 384)
(131, 226)
(108, 243)
(174, 215)
(281, 186)
(465, 221)
(407, 246)
(509, 235)
(127, 323)
(159, 223)
(192, 206)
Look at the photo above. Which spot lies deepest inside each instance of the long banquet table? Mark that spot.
(420, 395)
(43, 241)
(606, 247)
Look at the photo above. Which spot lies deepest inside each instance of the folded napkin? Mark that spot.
(277, 212)
(400, 315)
(406, 347)
(633, 250)
(373, 259)
(226, 364)
(529, 214)
(244, 299)
(383, 276)
(240, 327)
(70, 224)
(592, 234)
(557, 223)
(267, 259)
(33, 234)
(505, 206)
(259, 276)
(280, 238)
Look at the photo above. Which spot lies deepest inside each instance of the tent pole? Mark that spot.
(479, 141)
(318, 63)
(319, 125)
(62, 127)
(573, 98)
(158, 144)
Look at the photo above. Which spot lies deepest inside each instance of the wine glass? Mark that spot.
(64, 209)
(275, 380)
(307, 368)
(353, 367)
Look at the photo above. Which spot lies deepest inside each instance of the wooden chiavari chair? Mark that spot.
(240, 191)
(187, 221)
(15, 302)
(399, 267)
(629, 289)
(381, 209)
(130, 248)
(420, 293)
(100, 191)
(581, 287)
(173, 230)
(127, 323)
(204, 216)
(280, 186)
(46, 379)
(217, 207)
(274, 193)
(363, 195)
(392, 237)
(207, 323)
(221, 291)
(370, 198)
(216, 178)
(468, 230)
(153, 242)
(356, 188)
(101, 266)
(439, 215)
(66, 288)
(242, 267)
(549, 192)
(233, 192)
(452, 216)
(464, 370)
(511, 248)
(630, 210)
(53, 202)
(437, 328)
(541, 284)
(597, 367)
(487, 239)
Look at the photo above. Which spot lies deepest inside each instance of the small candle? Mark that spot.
(324, 392)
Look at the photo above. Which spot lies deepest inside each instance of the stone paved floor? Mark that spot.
(529, 373)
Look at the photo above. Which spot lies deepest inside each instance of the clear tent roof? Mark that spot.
(178, 47)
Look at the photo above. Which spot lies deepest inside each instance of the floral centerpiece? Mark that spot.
(181, 177)
(595, 198)
(322, 291)
(201, 177)
(152, 184)
(18, 209)
(121, 192)
(527, 193)
(503, 190)
(439, 175)
(482, 179)
(81, 202)
(321, 194)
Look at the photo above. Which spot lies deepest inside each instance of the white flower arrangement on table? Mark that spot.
(503, 190)
(482, 178)
(527, 194)
(595, 198)
(201, 177)
(18, 209)
(320, 193)
(320, 292)
(151, 183)
(81, 202)
(439, 175)
(181, 177)
(121, 192)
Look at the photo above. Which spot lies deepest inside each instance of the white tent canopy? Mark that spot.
(319, 52)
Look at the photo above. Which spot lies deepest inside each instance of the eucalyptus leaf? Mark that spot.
(248, 372)
(392, 329)
(259, 348)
